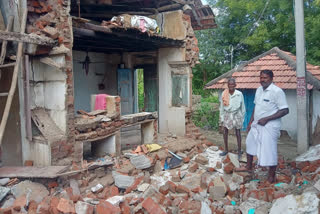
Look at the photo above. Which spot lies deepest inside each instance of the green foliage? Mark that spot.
(238, 28)
(140, 90)
(207, 114)
(211, 99)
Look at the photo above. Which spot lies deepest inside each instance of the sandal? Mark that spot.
(223, 153)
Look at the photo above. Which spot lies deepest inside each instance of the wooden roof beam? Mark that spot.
(27, 38)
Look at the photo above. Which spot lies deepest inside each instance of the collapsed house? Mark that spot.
(76, 53)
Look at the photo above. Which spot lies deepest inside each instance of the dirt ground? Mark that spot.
(286, 146)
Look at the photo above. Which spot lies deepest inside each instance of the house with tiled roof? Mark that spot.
(283, 65)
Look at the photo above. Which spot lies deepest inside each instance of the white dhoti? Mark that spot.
(262, 142)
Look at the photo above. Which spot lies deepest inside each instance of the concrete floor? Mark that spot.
(286, 147)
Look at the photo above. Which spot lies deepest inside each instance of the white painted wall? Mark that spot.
(168, 115)
(86, 85)
(289, 122)
(316, 108)
(48, 89)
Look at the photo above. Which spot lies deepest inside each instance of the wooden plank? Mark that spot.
(14, 79)
(4, 43)
(46, 125)
(8, 65)
(3, 94)
(32, 172)
(27, 38)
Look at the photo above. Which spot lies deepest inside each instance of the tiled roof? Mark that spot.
(247, 76)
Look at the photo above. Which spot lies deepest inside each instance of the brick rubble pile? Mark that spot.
(203, 182)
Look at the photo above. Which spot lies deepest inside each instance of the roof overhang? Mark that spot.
(97, 38)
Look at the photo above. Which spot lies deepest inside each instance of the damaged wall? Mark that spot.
(102, 69)
(53, 89)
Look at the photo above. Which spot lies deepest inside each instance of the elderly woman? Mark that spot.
(232, 111)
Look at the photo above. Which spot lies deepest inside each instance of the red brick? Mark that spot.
(152, 207)
(228, 168)
(53, 184)
(186, 159)
(114, 191)
(20, 202)
(301, 165)
(105, 207)
(32, 207)
(53, 205)
(66, 206)
(226, 160)
(172, 186)
(182, 189)
(164, 189)
(28, 163)
(134, 185)
(193, 167)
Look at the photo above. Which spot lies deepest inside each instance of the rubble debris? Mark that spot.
(3, 192)
(195, 186)
(37, 191)
(97, 188)
(311, 155)
(141, 162)
(202, 160)
(305, 203)
(122, 181)
(4, 181)
(255, 205)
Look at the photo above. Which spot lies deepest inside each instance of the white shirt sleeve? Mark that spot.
(221, 110)
(243, 106)
(281, 100)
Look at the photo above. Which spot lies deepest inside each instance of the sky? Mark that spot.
(204, 2)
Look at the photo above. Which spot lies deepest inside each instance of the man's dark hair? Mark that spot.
(231, 80)
(267, 72)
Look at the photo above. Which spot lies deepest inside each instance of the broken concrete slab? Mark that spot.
(4, 181)
(107, 180)
(201, 160)
(259, 207)
(311, 155)
(84, 208)
(36, 191)
(234, 159)
(75, 187)
(8, 203)
(291, 204)
(205, 209)
(143, 187)
(317, 185)
(141, 162)
(4, 192)
(122, 181)
(116, 200)
(219, 190)
(97, 188)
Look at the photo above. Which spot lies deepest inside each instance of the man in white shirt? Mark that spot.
(232, 111)
(264, 127)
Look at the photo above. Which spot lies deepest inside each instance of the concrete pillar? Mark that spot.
(147, 132)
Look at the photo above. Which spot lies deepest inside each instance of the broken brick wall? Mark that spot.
(51, 18)
(192, 49)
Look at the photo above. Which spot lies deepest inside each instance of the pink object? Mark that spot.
(142, 25)
(101, 102)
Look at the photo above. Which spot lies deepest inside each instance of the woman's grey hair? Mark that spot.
(231, 80)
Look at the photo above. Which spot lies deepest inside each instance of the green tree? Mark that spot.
(252, 27)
